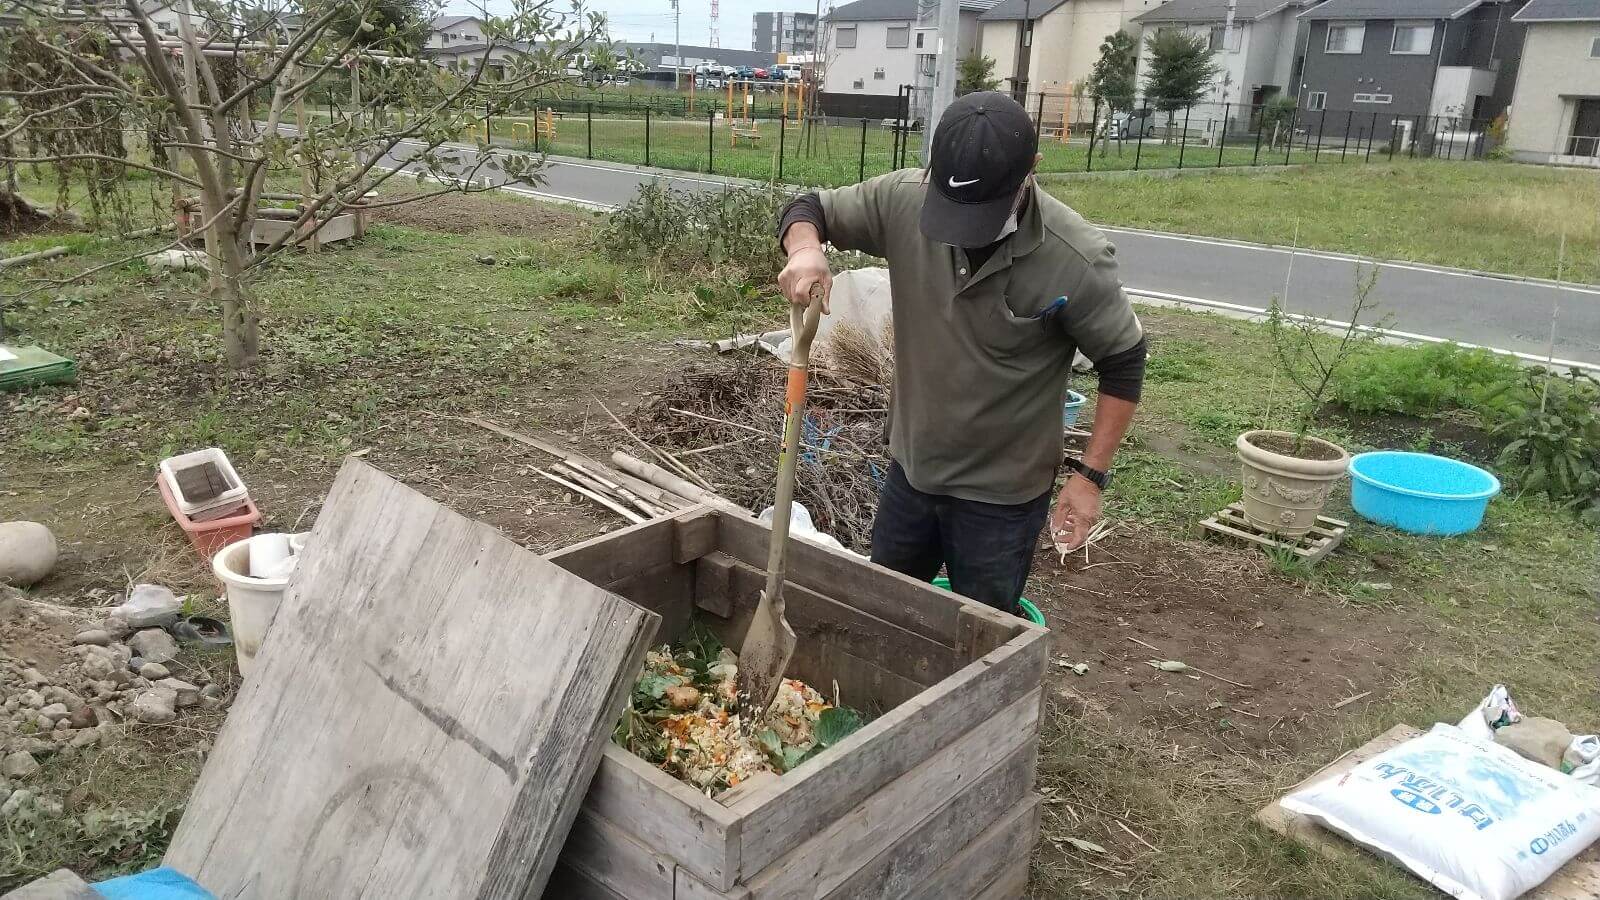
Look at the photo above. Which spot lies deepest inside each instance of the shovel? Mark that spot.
(770, 641)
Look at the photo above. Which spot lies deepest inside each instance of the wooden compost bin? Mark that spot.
(931, 799)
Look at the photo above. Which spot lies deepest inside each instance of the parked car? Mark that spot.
(1136, 123)
(758, 73)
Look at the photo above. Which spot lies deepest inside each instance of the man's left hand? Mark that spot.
(1077, 510)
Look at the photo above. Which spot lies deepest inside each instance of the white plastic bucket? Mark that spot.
(252, 602)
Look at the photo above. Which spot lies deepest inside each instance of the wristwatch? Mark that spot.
(1099, 479)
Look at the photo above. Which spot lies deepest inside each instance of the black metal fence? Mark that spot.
(770, 140)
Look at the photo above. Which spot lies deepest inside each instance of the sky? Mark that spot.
(637, 20)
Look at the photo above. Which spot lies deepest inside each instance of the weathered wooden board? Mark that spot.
(619, 554)
(568, 882)
(423, 717)
(607, 854)
(1010, 885)
(666, 815)
(62, 884)
(824, 865)
(977, 802)
(800, 804)
(826, 620)
(993, 853)
(1577, 880)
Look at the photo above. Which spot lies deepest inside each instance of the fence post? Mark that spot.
(1394, 134)
(1138, 138)
(488, 124)
(1372, 132)
(1038, 120)
(1288, 145)
(711, 141)
(647, 135)
(1094, 132)
(1261, 119)
(1344, 145)
(1222, 143)
(588, 119)
(783, 131)
(1321, 121)
(1183, 140)
(861, 174)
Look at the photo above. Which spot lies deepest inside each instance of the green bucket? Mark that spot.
(1029, 611)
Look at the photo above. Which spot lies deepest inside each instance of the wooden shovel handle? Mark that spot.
(803, 330)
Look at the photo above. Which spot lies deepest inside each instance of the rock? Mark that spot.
(98, 637)
(27, 553)
(61, 695)
(147, 606)
(18, 801)
(1539, 739)
(136, 663)
(43, 722)
(83, 717)
(98, 668)
(188, 694)
(153, 670)
(84, 738)
(32, 678)
(31, 699)
(54, 712)
(156, 705)
(211, 690)
(12, 703)
(19, 764)
(154, 645)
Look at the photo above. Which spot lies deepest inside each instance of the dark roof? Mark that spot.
(443, 22)
(1559, 11)
(1212, 11)
(1017, 10)
(895, 10)
(1391, 9)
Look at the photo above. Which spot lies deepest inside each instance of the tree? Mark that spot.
(1181, 68)
(397, 26)
(222, 106)
(975, 73)
(1112, 80)
(1277, 118)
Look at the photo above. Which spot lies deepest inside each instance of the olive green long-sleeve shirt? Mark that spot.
(980, 373)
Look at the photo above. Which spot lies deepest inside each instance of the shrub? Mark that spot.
(1553, 438)
(1420, 381)
(702, 230)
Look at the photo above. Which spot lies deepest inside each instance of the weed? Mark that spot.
(1422, 381)
(1553, 440)
(694, 232)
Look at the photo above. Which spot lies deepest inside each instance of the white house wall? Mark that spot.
(999, 42)
(1555, 62)
(871, 53)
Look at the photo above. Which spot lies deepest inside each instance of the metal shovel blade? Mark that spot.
(768, 645)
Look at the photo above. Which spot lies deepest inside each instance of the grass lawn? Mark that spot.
(1498, 217)
(373, 347)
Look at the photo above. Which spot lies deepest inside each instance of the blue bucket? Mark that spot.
(1420, 493)
(1070, 409)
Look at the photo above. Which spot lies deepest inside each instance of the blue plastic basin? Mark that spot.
(1071, 408)
(1420, 493)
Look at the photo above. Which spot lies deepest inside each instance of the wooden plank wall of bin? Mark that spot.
(932, 799)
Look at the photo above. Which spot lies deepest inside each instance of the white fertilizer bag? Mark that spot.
(1472, 818)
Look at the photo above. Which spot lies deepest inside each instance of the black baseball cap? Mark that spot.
(982, 151)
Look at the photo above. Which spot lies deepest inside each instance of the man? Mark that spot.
(995, 285)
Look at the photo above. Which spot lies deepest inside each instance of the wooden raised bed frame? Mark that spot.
(932, 799)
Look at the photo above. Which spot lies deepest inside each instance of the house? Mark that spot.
(1389, 65)
(453, 31)
(1555, 109)
(873, 46)
(1051, 45)
(1258, 57)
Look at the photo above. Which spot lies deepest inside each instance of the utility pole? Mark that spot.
(677, 44)
(944, 70)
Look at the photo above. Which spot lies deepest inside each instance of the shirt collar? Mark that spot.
(1030, 226)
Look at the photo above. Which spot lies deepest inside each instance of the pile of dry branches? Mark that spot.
(726, 423)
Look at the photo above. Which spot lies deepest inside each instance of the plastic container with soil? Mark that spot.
(252, 602)
(204, 484)
(209, 537)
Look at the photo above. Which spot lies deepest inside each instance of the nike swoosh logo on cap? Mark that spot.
(957, 184)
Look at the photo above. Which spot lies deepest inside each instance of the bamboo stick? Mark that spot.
(664, 479)
(615, 507)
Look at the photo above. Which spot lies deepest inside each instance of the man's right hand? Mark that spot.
(807, 269)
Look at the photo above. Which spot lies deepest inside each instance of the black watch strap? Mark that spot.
(1101, 480)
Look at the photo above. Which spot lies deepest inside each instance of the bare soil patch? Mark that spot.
(467, 213)
(1300, 651)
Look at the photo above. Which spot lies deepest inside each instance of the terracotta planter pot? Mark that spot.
(1285, 493)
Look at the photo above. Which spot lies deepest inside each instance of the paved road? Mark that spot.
(1419, 301)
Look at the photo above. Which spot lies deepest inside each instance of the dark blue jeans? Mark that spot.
(987, 547)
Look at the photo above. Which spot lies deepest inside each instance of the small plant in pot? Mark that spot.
(1287, 476)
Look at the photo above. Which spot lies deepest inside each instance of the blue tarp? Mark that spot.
(156, 884)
